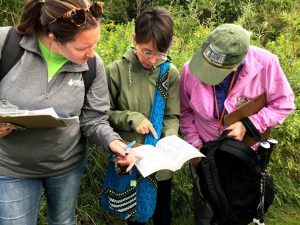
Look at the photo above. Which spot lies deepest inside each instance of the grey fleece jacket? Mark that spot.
(35, 153)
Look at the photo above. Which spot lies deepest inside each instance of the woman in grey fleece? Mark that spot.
(58, 38)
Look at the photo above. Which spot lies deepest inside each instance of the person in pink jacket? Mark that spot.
(223, 73)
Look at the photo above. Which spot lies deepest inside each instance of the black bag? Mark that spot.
(231, 181)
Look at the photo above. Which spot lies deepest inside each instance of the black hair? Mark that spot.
(155, 23)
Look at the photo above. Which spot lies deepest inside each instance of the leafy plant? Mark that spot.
(10, 12)
(275, 25)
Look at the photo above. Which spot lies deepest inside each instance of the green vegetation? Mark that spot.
(275, 25)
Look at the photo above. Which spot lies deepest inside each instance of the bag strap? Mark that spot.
(242, 152)
(239, 149)
(11, 52)
(159, 103)
(89, 75)
(208, 173)
(251, 129)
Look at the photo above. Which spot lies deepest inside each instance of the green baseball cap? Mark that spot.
(223, 50)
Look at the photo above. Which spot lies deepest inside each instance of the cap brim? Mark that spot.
(206, 72)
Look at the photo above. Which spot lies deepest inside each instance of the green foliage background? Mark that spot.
(275, 25)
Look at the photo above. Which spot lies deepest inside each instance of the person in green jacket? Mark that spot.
(132, 83)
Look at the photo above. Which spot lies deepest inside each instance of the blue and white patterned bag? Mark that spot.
(131, 196)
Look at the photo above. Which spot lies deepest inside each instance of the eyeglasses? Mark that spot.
(78, 16)
(150, 54)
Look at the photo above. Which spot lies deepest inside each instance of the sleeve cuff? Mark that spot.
(136, 120)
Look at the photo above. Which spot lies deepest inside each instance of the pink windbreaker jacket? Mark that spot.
(260, 73)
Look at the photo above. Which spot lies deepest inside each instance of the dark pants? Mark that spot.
(162, 214)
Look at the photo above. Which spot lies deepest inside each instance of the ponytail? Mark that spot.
(30, 17)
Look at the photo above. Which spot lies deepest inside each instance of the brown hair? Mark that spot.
(37, 14)
(155, 23)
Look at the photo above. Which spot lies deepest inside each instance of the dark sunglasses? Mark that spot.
(78, 16)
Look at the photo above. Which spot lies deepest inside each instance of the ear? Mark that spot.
(134, 39)
(52, 37)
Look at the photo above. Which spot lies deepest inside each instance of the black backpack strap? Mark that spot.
(242, 152)
(11, 52)
(251, 129)
(89, 75)
(209, 183)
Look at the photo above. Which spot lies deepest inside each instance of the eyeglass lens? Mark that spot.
(96, 9)
(151, 54)
(78, 16)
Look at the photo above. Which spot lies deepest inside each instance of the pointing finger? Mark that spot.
(152, 130)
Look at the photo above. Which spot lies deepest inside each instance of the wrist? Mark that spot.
(197, 144)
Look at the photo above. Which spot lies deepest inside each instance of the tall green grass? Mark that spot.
(275, 25)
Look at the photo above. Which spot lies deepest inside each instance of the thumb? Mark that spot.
(230, 127)
(117, 147)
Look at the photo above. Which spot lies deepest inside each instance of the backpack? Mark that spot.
(234, 181)
(13, 53)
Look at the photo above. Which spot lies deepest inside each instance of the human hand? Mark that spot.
(196, 161)
(124, 156)
(145, 127)
(238, 131)
(6, 128)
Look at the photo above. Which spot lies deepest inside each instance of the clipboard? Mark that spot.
(34, 121)
(249, 108)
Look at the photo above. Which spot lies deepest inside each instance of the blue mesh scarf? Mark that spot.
(131, 196)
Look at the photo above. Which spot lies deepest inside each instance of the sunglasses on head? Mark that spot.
(78, 16)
